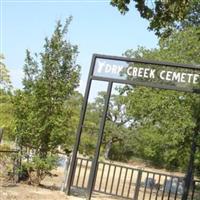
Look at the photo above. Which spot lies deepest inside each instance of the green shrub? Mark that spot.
(38, 168)
(120, 152)
(8, 163)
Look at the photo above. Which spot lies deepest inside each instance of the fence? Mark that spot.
(195, 190)
(130, 183)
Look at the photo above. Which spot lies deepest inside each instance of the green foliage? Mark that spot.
(115, 130)
(44, 113)
(6, 114)
(123, 150)
(88, 144)
(5, 82)
(164, 121)
(6, 107)
(162, 125)
(181, 47)
(72, 107)
(41, 110)
(5, 147)
(164, 16)
(8, 164)
(39, 167)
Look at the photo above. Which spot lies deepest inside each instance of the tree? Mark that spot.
(164, 16)
(72, 107)
(167, 121)
(6, 108)
(43, 117)
(115, 130)
(4, 75)
(162, 126)
(6, 114)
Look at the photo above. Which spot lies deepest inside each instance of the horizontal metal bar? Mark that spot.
(147, 84)
(97, 191)
(113, 194)
(86, 159)
(90, 127)
(9, 151)
(145, 171)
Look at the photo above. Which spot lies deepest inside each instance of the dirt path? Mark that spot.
(27, 192)
(50, 189)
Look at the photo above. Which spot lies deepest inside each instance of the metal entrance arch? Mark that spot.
(153, 74)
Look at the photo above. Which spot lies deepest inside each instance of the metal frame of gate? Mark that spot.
(91, 77)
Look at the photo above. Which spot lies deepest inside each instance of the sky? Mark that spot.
(97, 27)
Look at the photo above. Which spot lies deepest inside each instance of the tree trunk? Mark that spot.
(107, 149)
(1, 134)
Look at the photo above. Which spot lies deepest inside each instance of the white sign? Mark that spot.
(121, 69)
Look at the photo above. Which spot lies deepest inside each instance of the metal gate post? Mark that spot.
(189, 175)
(93, 171)
(138, 183)
(79, 130)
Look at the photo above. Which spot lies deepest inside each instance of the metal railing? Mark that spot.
(131, 183)
(195, 194)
